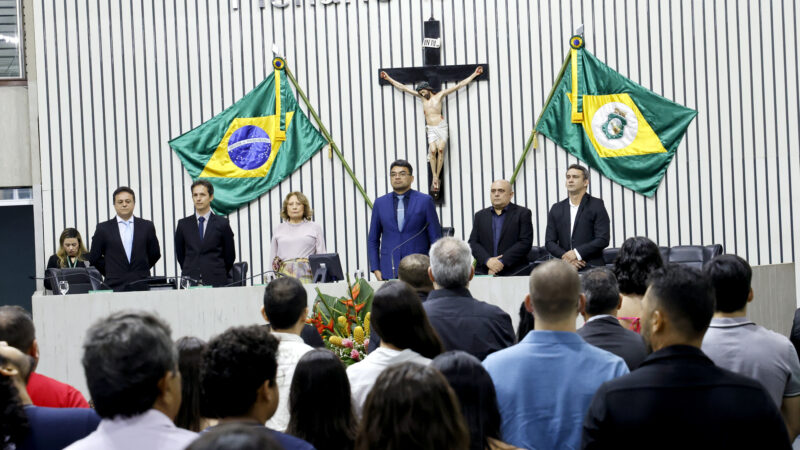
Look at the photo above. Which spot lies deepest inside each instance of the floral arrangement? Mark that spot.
(343, 322)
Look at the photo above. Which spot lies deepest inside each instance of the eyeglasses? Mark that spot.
(398, 174)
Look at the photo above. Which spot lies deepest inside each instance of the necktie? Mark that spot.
(401, 212)
(128, 241)
(200, 226)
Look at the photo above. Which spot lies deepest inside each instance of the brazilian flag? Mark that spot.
(627, 132)
(252, 146)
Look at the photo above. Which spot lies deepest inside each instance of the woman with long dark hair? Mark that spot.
(637, 259)
(406, 336)
(476, 395)
(411, 406)
(320, 378)
(190, 360)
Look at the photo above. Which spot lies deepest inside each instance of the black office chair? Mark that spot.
(238, 274)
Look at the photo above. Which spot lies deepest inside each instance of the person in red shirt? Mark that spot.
(16, 328)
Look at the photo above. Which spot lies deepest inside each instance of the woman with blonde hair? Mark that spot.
(71, 253)
(296, 238)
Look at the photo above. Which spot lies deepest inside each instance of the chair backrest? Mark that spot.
(712, 251)
(81, 279)
(537, 253)
(238, 274)
(690, 255)
(448, 231)
(610, 255)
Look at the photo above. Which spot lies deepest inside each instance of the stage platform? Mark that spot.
(61, 321)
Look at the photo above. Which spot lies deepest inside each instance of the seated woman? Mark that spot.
(296, 238)
(476, 395)
(412, 407)
(320, 375)
(638, 258)
(71, 253)
(406, 336)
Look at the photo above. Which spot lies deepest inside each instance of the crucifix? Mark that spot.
(430, 78)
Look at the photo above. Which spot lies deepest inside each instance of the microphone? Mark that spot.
(86, 272)
(394, 272)
(254, 276)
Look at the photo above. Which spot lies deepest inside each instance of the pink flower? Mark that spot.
(347, 342)
(354, 354)
(366, 343)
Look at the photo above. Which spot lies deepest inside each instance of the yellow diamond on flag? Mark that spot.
(248, 148)
(616, 127)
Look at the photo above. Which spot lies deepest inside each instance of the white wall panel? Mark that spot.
(119, 78)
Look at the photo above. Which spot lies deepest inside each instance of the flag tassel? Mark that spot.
(332, 145)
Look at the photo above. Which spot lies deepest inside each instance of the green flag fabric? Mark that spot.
(247, 149)
(627, 132)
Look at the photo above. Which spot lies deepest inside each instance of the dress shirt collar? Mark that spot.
(406, 194)
(121, 220)
(451, 292)
(206, 215)
(287, 337)
(552, 337)
(730, 322)
(599, 316)
(677, 352)
(502, 211)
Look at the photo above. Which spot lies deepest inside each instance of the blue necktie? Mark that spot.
(401, 212)
(200, 226)
(127, 243)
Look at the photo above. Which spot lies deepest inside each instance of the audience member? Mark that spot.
(24, 426)
(525, 322)
(502, 234)
(16, 328)
(296, 238)
(463, 322)
(321, 375)
(414, 271)
(71, 253)
(412, 407)
(235, 437)
(285, 308)
(406, 336)
(190, 361)
(125, 248)
(735, 343)
(545, 383)
(602, 329)
(678, 398)
(637, 259)
(131, 369)
(476, 396)
(794, 336)
(239, 384)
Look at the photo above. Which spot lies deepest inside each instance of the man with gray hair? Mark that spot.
(545, 383)
(131, 368)
(463, 322)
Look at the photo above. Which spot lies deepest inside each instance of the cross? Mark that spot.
(433, 72)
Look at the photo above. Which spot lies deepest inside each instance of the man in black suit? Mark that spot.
(462, 321)
(125, 248)
(602, 329)
(678, 398)
(204, 241)
(578, 227)
(502, 234)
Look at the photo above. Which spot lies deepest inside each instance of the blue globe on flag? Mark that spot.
(249, 147)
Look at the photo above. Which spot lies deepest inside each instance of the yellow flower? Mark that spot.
(366, 323)
(343, 323)
(335, 340)
(358, 335)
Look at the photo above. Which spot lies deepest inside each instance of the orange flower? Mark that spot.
(356, 290)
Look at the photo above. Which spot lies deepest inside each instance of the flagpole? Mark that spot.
(533, 133)
(327, 135)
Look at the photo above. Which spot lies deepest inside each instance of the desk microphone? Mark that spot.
(86, 272)
(394, 274)
(254, 276)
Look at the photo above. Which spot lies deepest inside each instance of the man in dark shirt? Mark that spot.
(678, 398)
(602, 329)
(463, 322)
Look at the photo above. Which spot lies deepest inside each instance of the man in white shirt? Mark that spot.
(132, 373)
(286, 309)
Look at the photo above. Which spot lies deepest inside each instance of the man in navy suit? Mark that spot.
(204, 241)
(403, 222)
(125, 248)
(578, 227)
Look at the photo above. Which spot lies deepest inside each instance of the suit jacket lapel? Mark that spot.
(581, 207)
